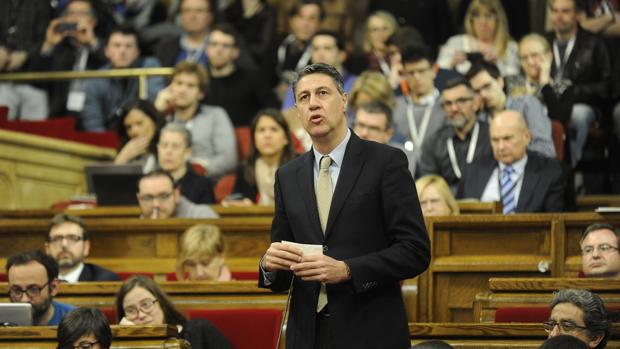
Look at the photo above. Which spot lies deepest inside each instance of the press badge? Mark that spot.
(76, 100)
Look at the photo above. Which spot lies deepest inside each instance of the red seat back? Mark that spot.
(126, 275)
(557, 135)
(244, 142)
(224, 187)
(244, 328)
(110, 314)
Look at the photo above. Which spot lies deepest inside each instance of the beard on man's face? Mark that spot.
(457, 121)
(39, 310)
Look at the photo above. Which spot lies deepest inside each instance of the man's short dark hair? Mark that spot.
(414, 54)
(83, 322)
(23, 258)
(405, 37)
(595, 315)
(194, 68)
(65, 218)
(483, 66)
(296, 8)
(458, 80)
(89, 2)
(319, 68)
(125, 30)
(600, 226)
(155, 174)
(228, 30)
(378, 107)
(333, 34)
(563, 341)
(580, 5)
(432, 345)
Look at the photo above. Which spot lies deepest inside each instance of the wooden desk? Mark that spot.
(135, 337)
(589, 203)
(538, 292)
(483, 336)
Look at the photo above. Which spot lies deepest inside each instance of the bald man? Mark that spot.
(522, 180)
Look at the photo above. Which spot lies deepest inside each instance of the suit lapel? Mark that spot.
(350, 169)
(481, 178)
(531, 176)
(305, 179)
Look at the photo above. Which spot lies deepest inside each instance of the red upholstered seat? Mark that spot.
(126, 275)
(224, 187)
(557, 135)
(61, 128)
(110, 314)
(244, 328)
(244, 142)
(3, 277)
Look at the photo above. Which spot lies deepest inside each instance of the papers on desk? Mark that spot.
(607, 209)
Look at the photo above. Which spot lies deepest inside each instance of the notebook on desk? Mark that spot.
(15, 314)
(113, 185)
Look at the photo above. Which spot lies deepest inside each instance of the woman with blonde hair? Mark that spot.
(201, 255)
(435, 196)
(380, 25)
(368, 87)
(486, 38)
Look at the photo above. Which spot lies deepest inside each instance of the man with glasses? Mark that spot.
(581, 314)
(33, 278)
(418, 114)
(160, 198)
(68, 243)
(463, 138)
(488, 85)
(599, 251)
(373, 122)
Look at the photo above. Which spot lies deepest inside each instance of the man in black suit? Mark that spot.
(522, 180)
(68, 243)
(371, 231)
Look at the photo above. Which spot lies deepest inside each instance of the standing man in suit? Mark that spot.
(524, 181)
(371, 230)
(68, 243)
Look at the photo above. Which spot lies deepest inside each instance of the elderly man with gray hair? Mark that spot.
(581, 314)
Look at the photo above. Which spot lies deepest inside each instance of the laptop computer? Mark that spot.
(15, 314)
(114, 185)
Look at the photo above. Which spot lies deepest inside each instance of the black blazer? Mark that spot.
(375, 225)
(242, 186)
(196, 188)
(543, 188)
(92, 272)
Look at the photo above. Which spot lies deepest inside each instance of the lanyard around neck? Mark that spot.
(470, 151)
(418, 137)
(560, 62)
(303, 60)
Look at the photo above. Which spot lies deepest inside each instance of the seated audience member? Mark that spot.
(581, 314)
(173, 152)
(373, 122)
(70, 44)
(524, 181)
(201, 255)
(582, 66)
(139, 126)
(460, 141)
(241, 92)
(599, 251)
(327, 47)
(160, 198)
(563, 342)
(214, 146)
(436, 199)
(271, 148)
(84, 328)
(418, 114)
(292, 52)
(432, 345)
(488, 84)
(68, 243)
(33, 278)
(195, 17)
(380, 25)
(140, 301)
(486, 38)
(105, 96)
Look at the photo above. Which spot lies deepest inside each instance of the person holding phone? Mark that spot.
(271, 148)
(486, 38)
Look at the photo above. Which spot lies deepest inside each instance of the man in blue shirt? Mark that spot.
(33, 278)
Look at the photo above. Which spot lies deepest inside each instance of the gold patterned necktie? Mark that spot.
(324, 201)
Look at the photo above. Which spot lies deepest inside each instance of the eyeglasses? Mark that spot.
(85, 345)
(146, 307)
(33, 291)
(371, 129)
(458, 102)
(150, 198)
(602, 248)
(565, 326)
(71, 239)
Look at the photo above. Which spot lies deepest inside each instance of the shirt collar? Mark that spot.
(337, 154)
(517, 166)
(428, 99)
(74, 275)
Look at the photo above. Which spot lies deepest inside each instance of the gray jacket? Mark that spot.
(188, 209)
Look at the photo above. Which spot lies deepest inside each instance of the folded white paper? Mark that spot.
(308, 249)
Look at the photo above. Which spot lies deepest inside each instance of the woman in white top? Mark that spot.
(486, 37)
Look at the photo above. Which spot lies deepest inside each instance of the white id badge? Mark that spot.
(76, 100)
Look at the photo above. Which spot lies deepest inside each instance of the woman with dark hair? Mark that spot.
(138, 131)
(141, 302)
(84, 328)
(271, 148)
